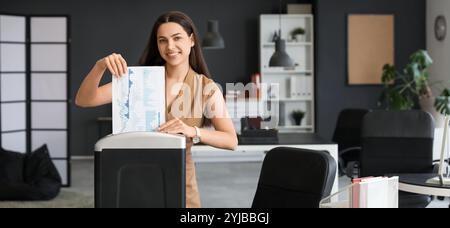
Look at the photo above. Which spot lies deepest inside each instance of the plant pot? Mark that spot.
(427, 105)
(298, 122)
(300, 38)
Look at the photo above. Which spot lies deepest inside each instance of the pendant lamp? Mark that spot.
(213, 39)
(280, 58)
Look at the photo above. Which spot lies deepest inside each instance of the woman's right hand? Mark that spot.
(115, 63)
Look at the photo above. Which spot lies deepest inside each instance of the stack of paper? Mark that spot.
(375, 192)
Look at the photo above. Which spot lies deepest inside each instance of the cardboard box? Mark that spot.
(299, 9)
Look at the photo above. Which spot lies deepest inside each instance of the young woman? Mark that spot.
(174, 44)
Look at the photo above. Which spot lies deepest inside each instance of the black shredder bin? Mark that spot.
(140, 169)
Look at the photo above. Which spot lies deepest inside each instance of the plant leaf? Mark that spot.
(422, 58)
(442, 102)
(397, 101)
(389, 74)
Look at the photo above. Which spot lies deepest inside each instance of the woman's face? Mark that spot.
(174, 43)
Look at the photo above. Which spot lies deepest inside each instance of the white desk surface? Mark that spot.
(256, 153)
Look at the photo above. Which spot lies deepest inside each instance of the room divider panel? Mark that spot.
(34, 69)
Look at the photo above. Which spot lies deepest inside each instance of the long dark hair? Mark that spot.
(151, 55)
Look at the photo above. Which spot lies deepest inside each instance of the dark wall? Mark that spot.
(332, 92)
(100, 27)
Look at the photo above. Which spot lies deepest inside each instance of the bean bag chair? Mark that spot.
(31, 176)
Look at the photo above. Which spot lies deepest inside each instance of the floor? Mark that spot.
(222, 185)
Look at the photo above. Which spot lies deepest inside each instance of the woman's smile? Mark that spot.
(173, 54)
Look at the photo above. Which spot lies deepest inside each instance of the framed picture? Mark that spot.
(370, 47)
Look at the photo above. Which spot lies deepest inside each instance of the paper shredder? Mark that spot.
(140, 170)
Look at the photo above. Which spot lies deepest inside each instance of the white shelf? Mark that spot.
(290, 129)
(302, 99)
(296, 127)
(298, 80)
(289, 44)
(282, 70)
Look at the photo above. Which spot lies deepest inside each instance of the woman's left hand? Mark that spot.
(177, 126)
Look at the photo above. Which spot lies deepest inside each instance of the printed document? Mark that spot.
(138, 100)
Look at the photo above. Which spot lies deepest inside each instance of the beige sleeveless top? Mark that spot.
(196, 83)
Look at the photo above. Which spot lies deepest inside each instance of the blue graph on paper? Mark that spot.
(139, 100)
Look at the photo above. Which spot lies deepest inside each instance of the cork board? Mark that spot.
(370, 47)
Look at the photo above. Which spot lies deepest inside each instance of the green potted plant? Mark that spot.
(411, 88)
(298, 34)
(298, 115)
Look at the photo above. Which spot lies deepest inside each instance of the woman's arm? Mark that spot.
(223, 136)
(90, 94)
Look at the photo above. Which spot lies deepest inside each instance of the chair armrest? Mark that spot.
(351, 168)
(437, 161)
(343, 170)
(350, 149)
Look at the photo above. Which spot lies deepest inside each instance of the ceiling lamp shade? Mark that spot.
(280, 58)
(213, 39)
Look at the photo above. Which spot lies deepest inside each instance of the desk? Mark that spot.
(256, 153)
(416, 183)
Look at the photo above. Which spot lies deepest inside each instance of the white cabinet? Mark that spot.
(292, 88)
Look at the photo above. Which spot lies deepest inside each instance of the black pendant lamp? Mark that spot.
(280, 58)
(213, 39)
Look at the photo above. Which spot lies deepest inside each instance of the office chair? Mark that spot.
(347, 135)
(395, 142)
(294, 178)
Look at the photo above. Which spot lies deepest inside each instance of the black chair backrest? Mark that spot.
(294, 178)
(396, 142)
(348, 128)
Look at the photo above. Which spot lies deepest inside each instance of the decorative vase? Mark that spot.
(275, 36)
(427, 105)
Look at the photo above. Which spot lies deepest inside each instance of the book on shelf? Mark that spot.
(309, 83)
(300, 87)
